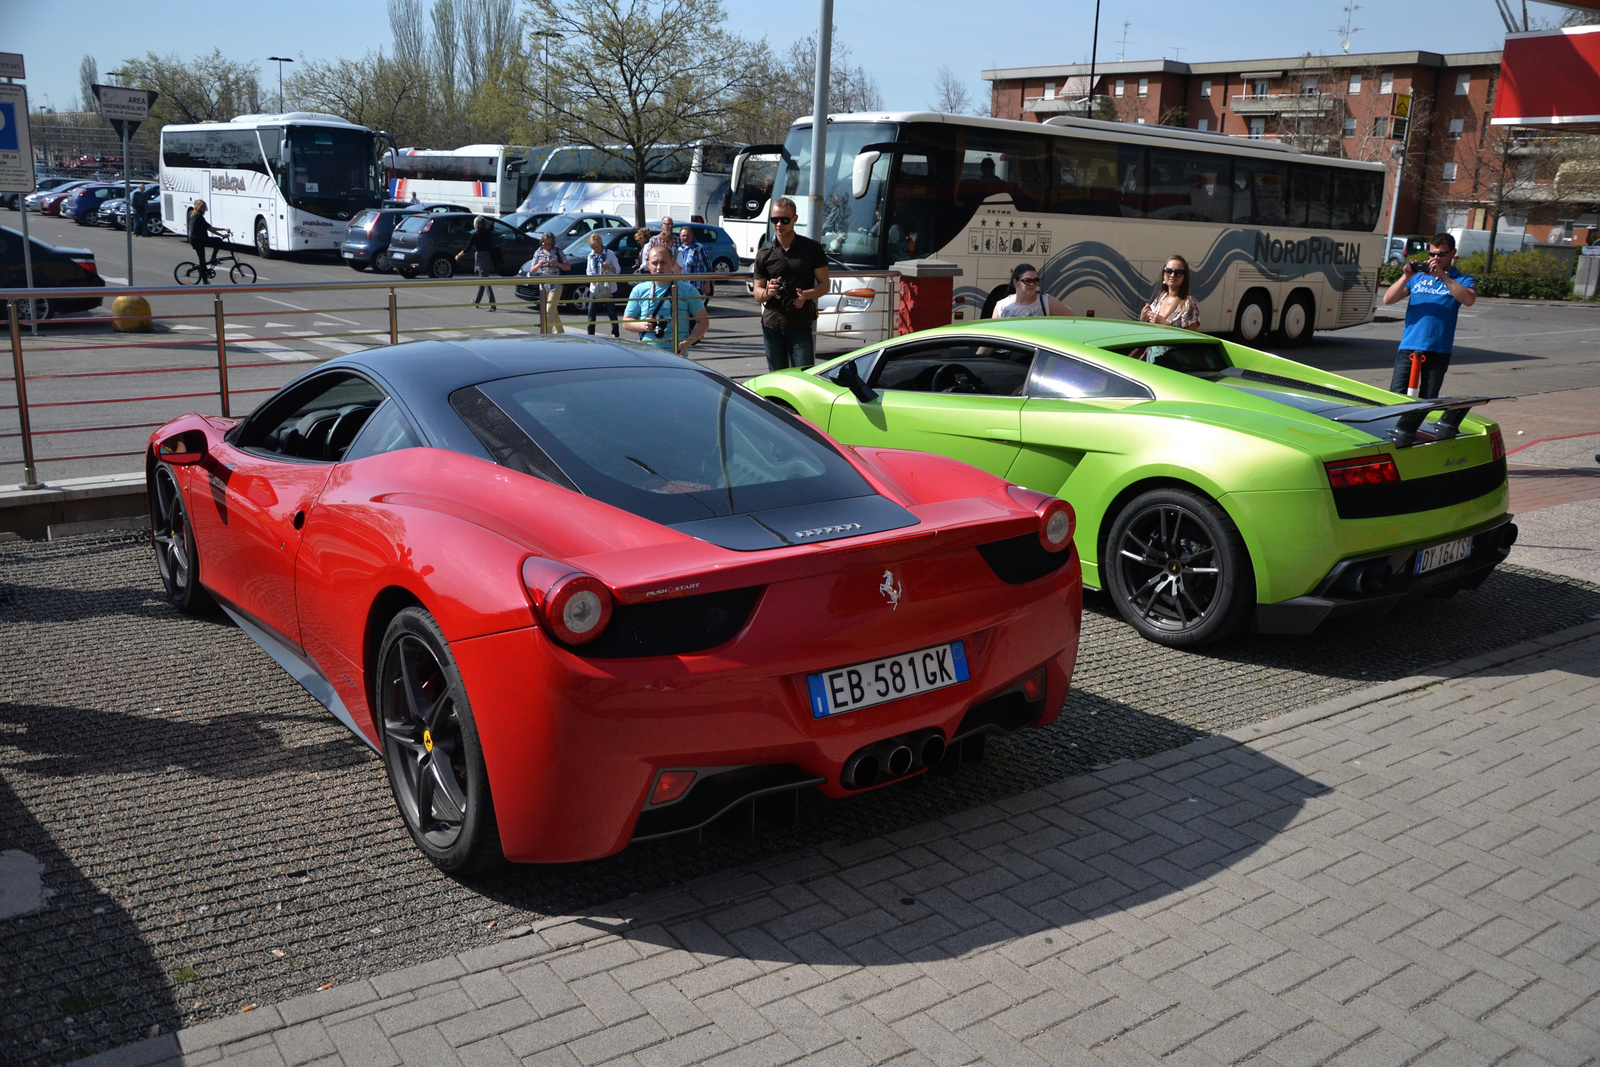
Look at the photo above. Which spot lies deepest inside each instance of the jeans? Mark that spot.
(137, 217)
(1433, 367)
(609, 304)
(484, 289)
(790, 346)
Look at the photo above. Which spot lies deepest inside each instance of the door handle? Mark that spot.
(299, 519)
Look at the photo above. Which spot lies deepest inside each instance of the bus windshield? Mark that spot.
(332, 164)
(852, 229)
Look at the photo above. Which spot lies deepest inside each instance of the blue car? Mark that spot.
(82, 205)
(721, 252)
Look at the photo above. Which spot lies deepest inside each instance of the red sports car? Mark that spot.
(579, 593)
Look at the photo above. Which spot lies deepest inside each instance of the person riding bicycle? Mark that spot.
(200, 238)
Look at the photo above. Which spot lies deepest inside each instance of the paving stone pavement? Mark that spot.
(1405, 875)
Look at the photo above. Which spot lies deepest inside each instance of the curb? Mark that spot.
(560, 935)
(72, 501)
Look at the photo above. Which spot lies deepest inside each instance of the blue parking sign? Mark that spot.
(8, 128)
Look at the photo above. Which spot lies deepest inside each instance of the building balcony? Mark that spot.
(1290, 105)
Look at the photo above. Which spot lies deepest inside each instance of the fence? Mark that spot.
(98, 399)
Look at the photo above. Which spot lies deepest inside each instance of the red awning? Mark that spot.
(1550, 79)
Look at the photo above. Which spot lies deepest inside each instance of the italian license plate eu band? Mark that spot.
(882, 680)
(1443, 555)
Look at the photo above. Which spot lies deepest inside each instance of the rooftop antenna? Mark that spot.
(1123, 54)
(1347, 31)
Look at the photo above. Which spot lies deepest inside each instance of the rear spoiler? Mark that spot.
(1408, 416)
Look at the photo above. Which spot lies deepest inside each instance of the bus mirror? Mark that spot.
(862, 176)
(736, 176)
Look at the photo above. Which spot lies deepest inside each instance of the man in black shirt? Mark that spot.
(138, 204)
(791, 273)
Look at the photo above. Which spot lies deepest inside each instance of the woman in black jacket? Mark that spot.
(480, 246)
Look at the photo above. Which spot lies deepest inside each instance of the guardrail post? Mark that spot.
(30, 476)
(394, 319)
(672, 294)
(222, 354)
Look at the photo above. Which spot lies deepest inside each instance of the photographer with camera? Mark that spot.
(1438, 292)
(650, 311)
(791, 273)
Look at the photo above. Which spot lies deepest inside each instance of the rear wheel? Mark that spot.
(177, 559)
(1177, 569)
(382, 263)
(1253, 318)
(1299, 316)
(431, 748)
(188, 273)
(441, 267)
(154, 226)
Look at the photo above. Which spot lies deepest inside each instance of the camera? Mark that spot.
(781, 296)
(660, 327)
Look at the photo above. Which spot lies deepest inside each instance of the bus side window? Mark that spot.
(1310, 198)
(1261, 186)
(1097, 178)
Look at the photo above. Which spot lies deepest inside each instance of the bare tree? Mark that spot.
(88, 74)
(209, 88)
(410, 35)
(374, 91)
(629, 86)
(446, 35)
(950, 93)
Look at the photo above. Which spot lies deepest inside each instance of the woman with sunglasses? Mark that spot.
(1026, 300)
(1172, 305)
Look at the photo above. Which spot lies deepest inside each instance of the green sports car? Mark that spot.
(1216, 487)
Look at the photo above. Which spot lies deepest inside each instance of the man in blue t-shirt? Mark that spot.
(650, 308)
(1438, 293)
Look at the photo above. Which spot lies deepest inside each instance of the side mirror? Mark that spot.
(183, 449)
(850, 378)
(736, 175)
(861, 176)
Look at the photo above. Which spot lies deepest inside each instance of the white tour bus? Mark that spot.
(283, 183)
(687, 182)
(486, 179)
(1277, 240)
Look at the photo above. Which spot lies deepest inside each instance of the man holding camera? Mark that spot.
(1438, 292)
(791, 273)
(663, 317)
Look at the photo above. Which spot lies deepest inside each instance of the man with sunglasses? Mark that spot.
(791, 272)
(1437, 292)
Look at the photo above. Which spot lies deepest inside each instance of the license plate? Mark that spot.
(1443, 555)
(348, 255)
(882, 680)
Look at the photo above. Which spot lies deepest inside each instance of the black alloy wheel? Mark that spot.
(430, 748)
(263, 240)
(381, 263)
(1177, 569)
(171, 536)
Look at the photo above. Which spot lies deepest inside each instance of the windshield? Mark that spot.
(852, 229)
(333, 167)
(672, 445)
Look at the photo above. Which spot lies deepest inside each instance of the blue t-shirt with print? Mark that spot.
(1431, 316)
(648, 300)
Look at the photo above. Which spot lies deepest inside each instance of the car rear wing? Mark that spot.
(1408, 417)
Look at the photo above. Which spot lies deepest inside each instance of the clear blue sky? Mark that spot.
(901, 43)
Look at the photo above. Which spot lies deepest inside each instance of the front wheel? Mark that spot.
(431, 748)
(154, 226)
(242, 274)
(177, 559)
(263, 240)
(1254, 318)
(1177, 569)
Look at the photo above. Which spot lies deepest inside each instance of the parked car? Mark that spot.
(44, 185)
(524, 221)
(48, 201)
(82, 205)
(114, 213)
(366, 242)
(429, 244)
(1216, 487)
(721, 253)
(54, 267)
(576, 595)
(570, 226)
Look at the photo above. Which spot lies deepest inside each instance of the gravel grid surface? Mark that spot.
(213, 839)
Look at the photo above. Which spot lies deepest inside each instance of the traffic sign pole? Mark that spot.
(1402, 108)
(125, 109)
(16, 155)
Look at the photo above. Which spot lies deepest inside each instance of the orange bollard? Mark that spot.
(1417, 360)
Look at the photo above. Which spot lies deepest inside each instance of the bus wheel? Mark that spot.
(1253, 318)
(263, 242)
(1299, 316)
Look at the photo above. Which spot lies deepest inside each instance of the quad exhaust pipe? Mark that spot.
(893, 758)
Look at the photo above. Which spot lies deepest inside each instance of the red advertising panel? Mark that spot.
(1550, 79)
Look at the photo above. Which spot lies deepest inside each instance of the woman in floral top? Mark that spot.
(1172, 305)
(549, 262)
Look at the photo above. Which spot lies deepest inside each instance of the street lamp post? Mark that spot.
(280, 60)
(545, 37)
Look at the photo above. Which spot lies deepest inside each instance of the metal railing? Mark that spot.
(131, 407)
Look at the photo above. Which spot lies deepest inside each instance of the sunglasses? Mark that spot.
(1173, 270)
(1027, 281)
(782, 220)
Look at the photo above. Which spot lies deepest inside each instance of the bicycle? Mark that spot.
(239, 273)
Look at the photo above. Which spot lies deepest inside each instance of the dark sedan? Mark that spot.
(429, 243)
(54, 267)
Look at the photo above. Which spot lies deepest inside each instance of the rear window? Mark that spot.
(363, 218)
(412, 224)
(1190, 357)
(668, 445)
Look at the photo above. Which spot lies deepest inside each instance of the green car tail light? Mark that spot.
(1497, 446)
(1364, 470)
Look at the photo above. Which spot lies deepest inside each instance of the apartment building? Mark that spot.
(1343, 105)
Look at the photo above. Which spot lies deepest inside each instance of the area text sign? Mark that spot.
(16, 149)
(129, 105)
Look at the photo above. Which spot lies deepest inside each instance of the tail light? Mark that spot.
(1033, 689)
(88, 265)
(670, 785)
(1056, 519)
(1497, 446)
(1366, 470)
(426, 226)
(575, 607)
